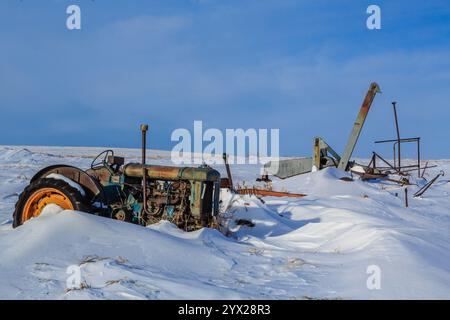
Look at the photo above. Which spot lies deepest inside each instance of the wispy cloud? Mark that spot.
(301, 67)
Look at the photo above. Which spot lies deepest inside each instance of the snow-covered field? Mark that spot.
(319, 246)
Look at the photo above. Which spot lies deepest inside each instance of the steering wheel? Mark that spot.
(101, 160)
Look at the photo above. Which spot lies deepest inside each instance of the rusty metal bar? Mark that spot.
(418, 157)
(144, 129)
(414, 168)
(406, 197)
(356, 131)
(410, 166)
(422, 190)
(227, 167)
(395, 158)
(425, 168)
(394, 105)
(401, 140)
(268, 193)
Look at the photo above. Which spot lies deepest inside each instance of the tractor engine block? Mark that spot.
(185, 196)
(168, 200)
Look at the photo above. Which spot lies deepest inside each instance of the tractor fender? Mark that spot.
(89, 184)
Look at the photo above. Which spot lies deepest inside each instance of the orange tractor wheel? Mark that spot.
(43, 192)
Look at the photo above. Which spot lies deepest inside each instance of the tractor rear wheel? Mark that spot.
(43, 192)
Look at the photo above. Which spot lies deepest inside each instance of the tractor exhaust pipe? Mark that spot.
(144, 128)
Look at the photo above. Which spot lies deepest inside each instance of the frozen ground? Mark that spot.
(319, 246)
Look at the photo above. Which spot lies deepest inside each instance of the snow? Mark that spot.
(358, 169)
(319, 246)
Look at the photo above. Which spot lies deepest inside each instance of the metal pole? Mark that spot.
(395, 158)
(418, 157)
(406, 197)
(374, 157)
(398, 135)
(372, 162)
(144, 129)
(227, 166)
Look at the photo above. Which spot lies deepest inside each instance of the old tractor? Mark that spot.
(135, 192)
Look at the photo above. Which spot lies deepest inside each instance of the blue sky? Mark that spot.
(300, 66)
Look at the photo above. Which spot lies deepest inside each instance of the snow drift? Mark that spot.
(320, 246)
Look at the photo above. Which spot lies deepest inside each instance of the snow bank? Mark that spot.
(320, 246)
(117, 260)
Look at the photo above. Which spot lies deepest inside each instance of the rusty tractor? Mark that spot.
(135, 192)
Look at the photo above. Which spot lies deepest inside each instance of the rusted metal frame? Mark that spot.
(398, 142)
(400, 168)
(382, 176)
(356, 131)
(384, 160)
